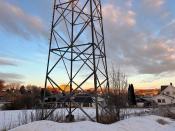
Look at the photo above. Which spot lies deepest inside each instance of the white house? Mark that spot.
(166, 96)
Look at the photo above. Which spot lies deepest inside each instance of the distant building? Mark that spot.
(142, 101)
(84, 100)
(166, 96)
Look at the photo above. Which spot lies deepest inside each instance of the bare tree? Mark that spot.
(14, 85)
(118, 93)
(2, 85)
(119, 85)
(117, 98)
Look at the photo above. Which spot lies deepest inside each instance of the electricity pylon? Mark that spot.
(77, 57)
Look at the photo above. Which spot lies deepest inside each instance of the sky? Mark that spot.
(138, 35)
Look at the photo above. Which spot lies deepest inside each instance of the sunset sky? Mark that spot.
(140, 40)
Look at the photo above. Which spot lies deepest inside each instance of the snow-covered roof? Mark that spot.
(170, 87)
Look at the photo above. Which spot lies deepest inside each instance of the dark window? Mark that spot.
(159, 100)
(163, 100)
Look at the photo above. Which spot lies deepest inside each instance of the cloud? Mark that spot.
(117, 15)
(18, 22)
(129, 3)
(7, 62)
(157, 57)
(139, 50)
(168, 30)
(153, 4)
(10, 76)
(155, 10)
(130, 46)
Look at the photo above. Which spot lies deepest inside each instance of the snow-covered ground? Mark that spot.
(142, 123)
(11, 119)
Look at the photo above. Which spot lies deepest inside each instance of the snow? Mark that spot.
(142, 123)
(11, 119)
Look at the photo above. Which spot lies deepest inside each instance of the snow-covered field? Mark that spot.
(12, 119)
(142, 123)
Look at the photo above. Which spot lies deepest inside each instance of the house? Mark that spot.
(84, 99)
(143, 101)
(81, 99)
(166, 96)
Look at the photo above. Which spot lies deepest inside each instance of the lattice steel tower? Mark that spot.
(77, 57)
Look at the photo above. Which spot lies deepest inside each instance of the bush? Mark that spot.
(111, 112)
(24, 99)
(22, 102)
(164, 111)
(108, 119)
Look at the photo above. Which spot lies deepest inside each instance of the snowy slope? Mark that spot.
(11, 119)
(146, 123)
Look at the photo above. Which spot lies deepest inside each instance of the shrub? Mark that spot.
(22, 102)
(108, 119)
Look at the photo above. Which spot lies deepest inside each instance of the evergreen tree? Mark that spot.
(131, 95)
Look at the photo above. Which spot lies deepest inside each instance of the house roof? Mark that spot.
(168, 87)
(163, 87)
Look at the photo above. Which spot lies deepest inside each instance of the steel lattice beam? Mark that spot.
(77, 51)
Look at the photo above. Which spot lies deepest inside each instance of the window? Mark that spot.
(163, 100)
(159, 100)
